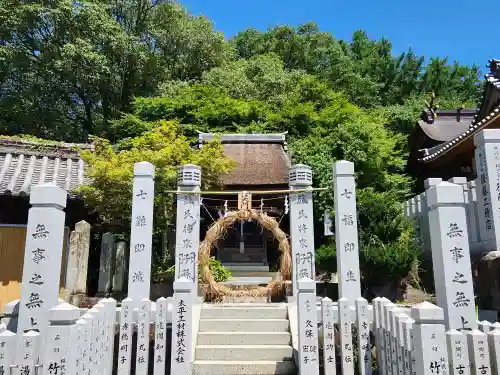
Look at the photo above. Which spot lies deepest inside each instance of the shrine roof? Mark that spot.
(24, 164)
(455, 127)
(261, 159)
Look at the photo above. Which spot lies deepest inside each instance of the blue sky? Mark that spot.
(461, 29)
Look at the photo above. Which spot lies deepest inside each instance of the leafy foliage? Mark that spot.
(164, 266)
(142, 77)
(111, 172)
(67, 68)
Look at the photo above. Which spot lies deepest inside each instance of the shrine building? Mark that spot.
(262, 164)
(442, 145)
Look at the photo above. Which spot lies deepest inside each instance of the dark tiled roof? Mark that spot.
(444, 125)
(485, 115)
(24, 164)
(261, 159)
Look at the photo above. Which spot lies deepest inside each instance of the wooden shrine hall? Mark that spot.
(262, 164)
(442, 144)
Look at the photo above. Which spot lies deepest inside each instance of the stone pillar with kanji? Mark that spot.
(346, 231)
(487, 156)
(451, 256)
(42, 257)
(141, 236)
(188, 224)
(301, 224)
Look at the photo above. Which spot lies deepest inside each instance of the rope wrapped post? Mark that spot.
(188, 224)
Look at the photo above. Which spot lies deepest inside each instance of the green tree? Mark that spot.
(110, 170)
(67, 68)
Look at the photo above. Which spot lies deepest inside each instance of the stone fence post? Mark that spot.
(307, 316)
(59, 348)
(42, 257)
(182, 327)
(429, 342)
(301, 225)
(451, 256)
(187, 233)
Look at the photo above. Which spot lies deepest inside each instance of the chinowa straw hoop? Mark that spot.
(218, 230)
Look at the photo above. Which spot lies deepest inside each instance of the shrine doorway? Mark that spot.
(219, 230)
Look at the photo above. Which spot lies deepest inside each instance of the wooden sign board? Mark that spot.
(244, 201)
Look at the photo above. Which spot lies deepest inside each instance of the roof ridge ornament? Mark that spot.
(431, 109)
(494, 66)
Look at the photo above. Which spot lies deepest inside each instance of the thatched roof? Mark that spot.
(261, 159)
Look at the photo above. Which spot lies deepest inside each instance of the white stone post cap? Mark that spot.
(326, 300)
(189, 175)
(487, 136)
(144, 169)
(458, 180)
(64, 312)
(343, 168)
(476, 332)
(300, 175)
(183, 285)
(430, 182)
(426, 312)
(306, 285)
(48, 194)
(8, 333)
(445, 194)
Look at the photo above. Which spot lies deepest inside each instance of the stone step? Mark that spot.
(245, 267)
(244, 325)
(244, 338)
(244, 311)
(254, 274)
(244, 368)
(244, 352)
(241, 281)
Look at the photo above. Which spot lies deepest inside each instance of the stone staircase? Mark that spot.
(244, 338)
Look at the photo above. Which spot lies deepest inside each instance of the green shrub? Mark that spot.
(163, 267)
(326, 258)
(219, 272)
(385, 263)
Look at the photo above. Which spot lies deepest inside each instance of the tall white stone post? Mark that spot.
(346, 231)
(188, 224)
(42, 257)
(488, 180)
(301, 225)
(451, 256)
(141, 236)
